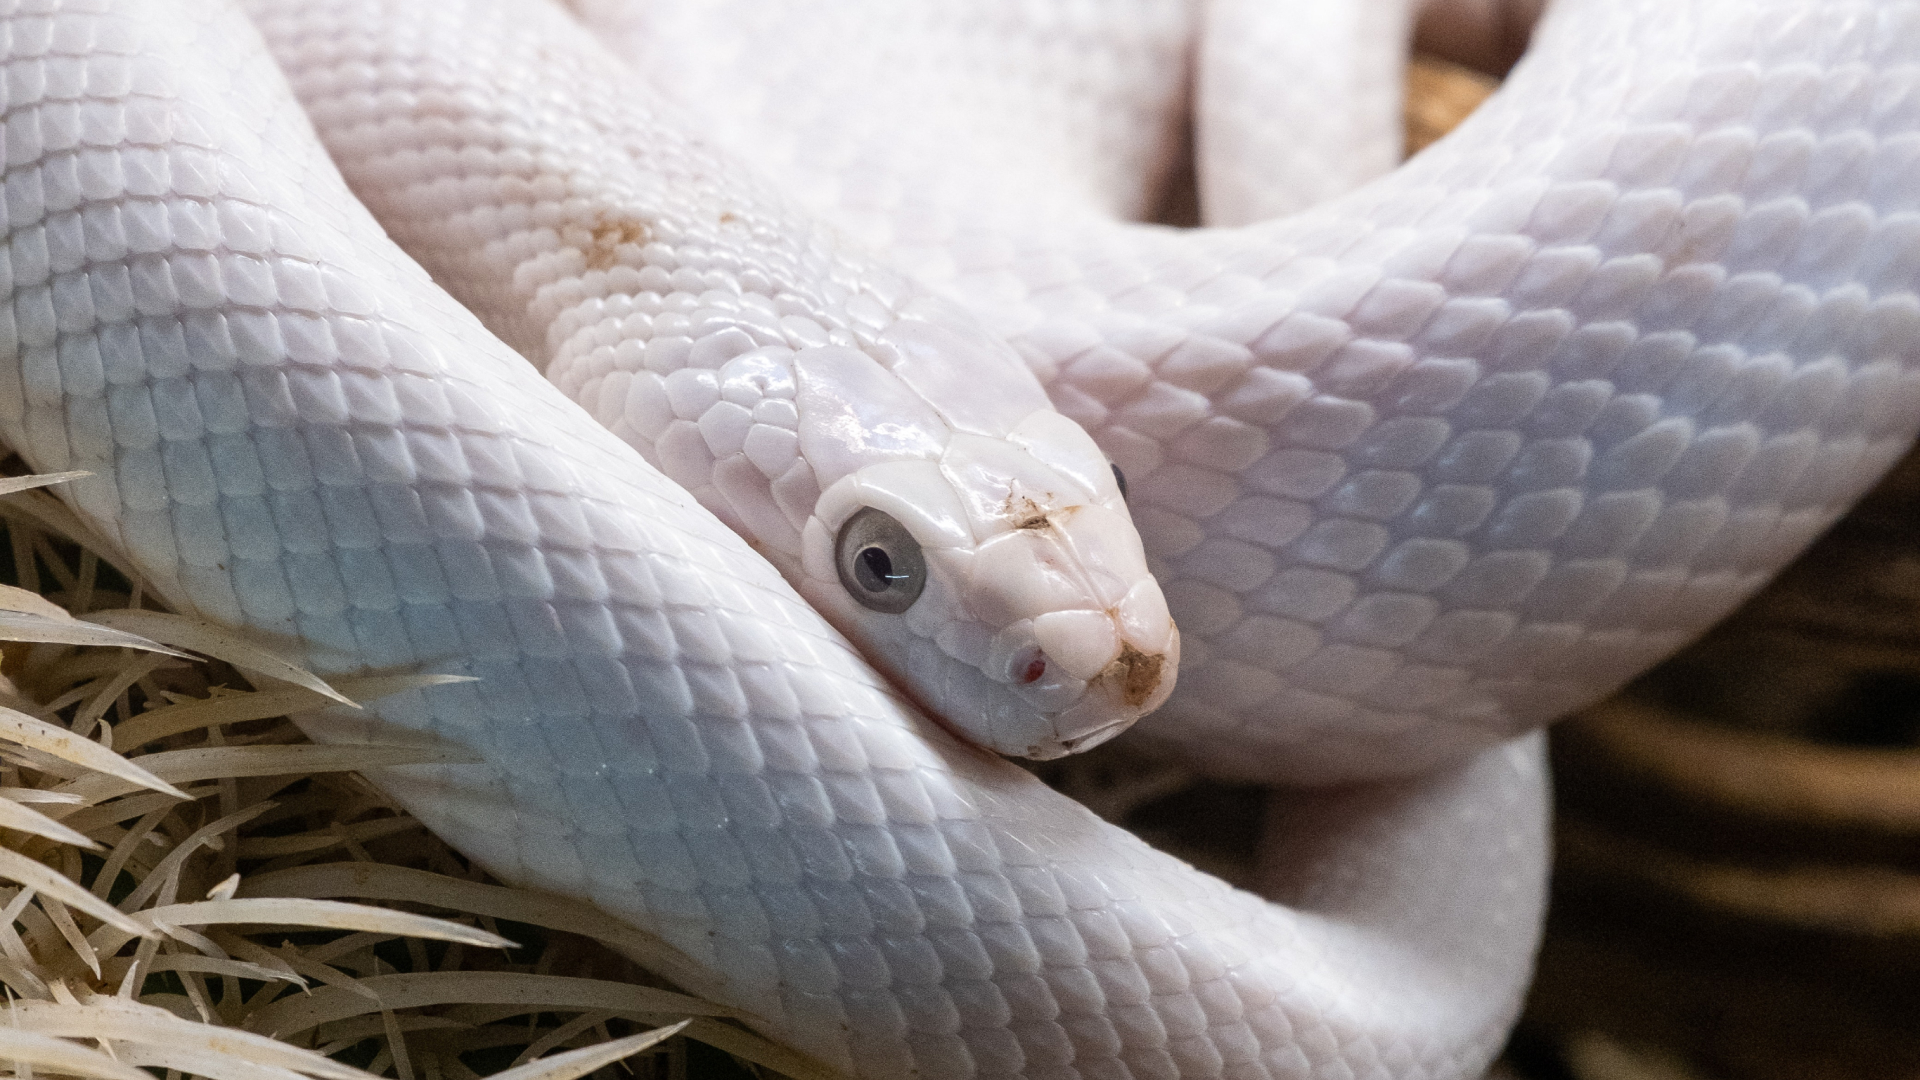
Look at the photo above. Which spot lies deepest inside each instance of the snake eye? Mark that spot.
(1120, 478)
(880, 562)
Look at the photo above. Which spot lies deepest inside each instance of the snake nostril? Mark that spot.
(1035, 668)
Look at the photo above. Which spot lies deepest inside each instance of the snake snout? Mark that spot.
(1085, 638)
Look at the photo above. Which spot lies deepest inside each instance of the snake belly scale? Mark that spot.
(1648, 320)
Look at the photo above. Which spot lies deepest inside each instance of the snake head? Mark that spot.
(977, 546)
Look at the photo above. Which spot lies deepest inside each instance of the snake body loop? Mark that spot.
(1458, 451)
(1418, 468)
(787, 382)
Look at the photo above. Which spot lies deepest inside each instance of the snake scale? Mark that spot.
(1416, 469)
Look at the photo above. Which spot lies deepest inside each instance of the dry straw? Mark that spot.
(190, 887)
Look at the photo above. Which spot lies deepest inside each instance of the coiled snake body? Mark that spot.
(1417, 470)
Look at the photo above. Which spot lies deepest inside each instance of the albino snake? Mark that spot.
(1418, 469)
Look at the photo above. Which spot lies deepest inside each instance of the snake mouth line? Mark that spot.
(1084, 742)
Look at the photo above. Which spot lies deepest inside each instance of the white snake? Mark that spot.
(1418, 469)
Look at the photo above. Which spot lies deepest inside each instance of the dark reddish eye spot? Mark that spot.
(1036, 667)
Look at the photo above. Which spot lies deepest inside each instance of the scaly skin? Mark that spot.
(293, 430)
(1462, 450)
(784, 381)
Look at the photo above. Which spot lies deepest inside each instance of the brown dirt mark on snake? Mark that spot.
(606, 234)
(1137, 674)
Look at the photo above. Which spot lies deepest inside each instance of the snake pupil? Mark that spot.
(881, 565)
(878, 569)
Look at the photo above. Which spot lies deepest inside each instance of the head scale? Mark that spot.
(975, 542)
